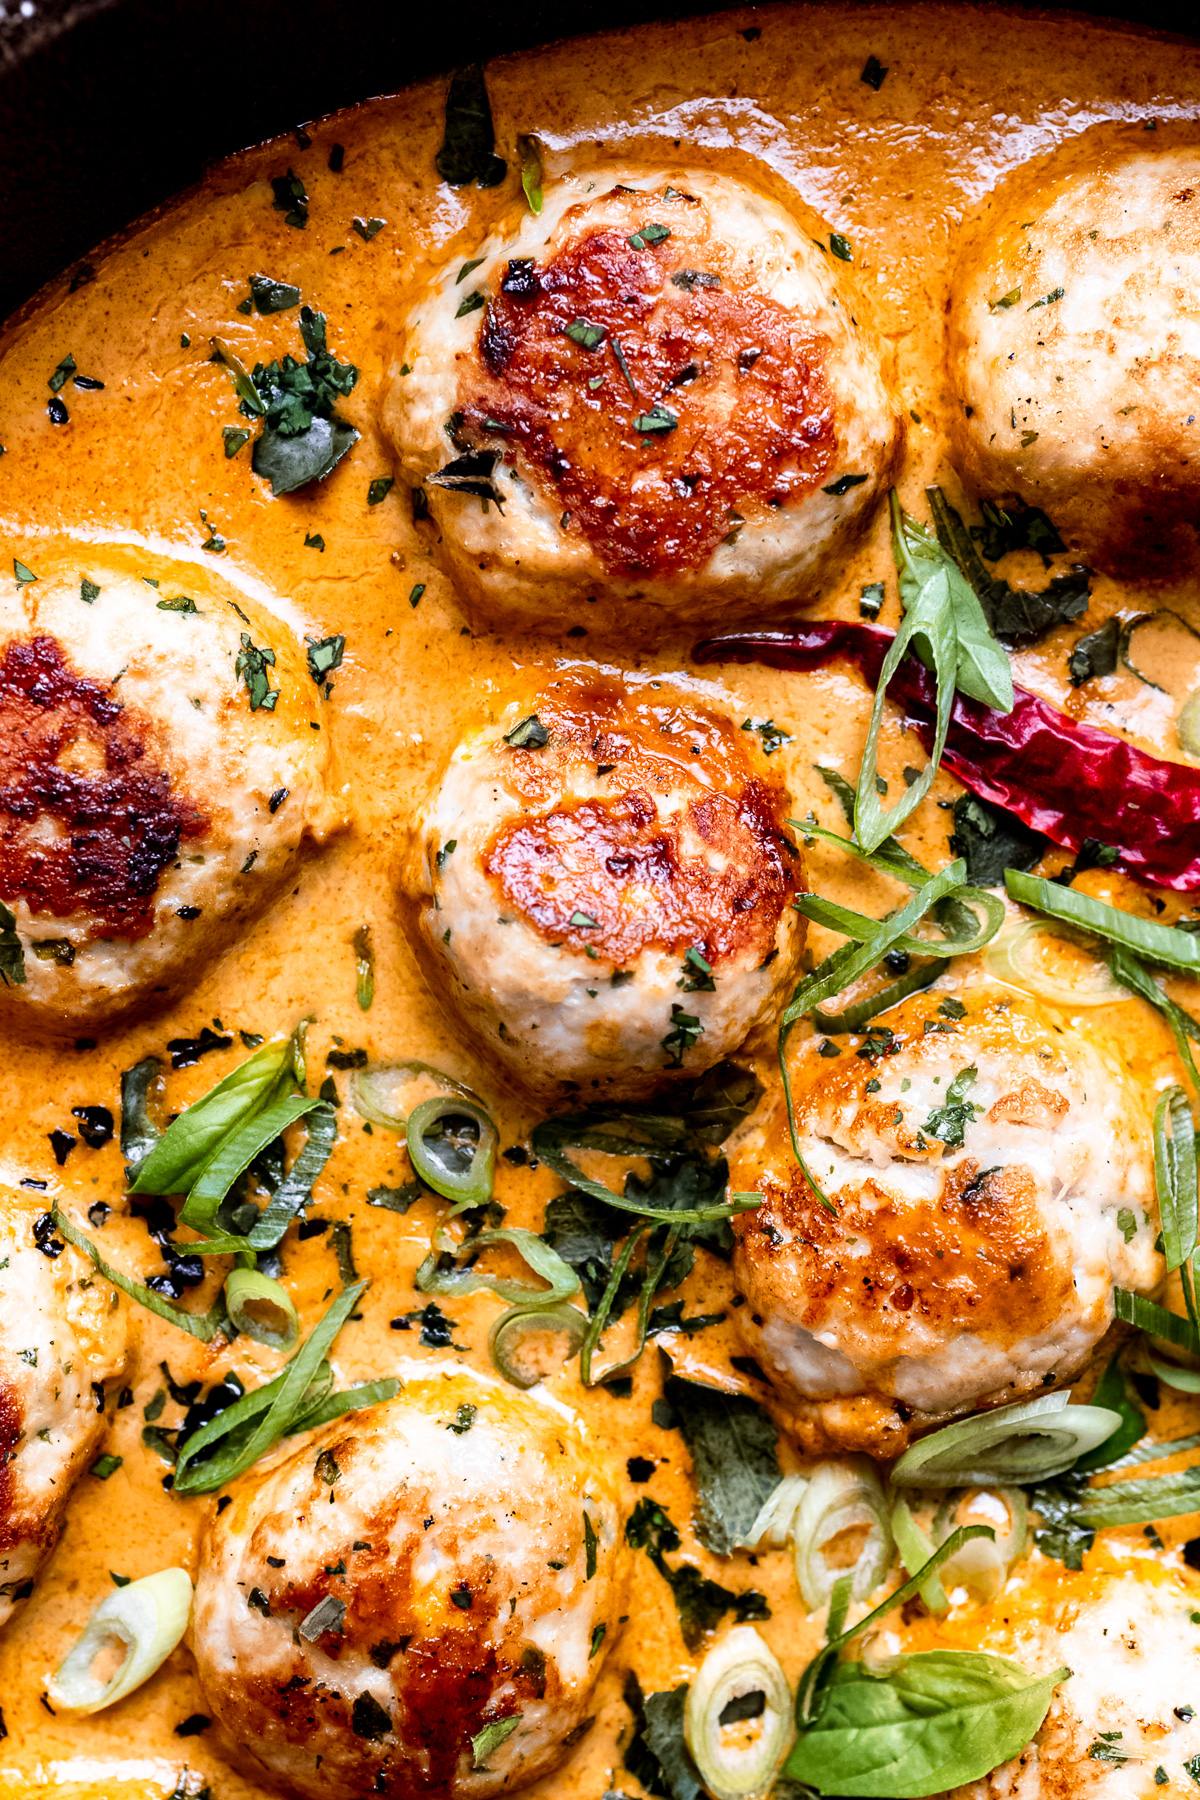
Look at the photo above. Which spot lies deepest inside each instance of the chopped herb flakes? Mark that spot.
(324, 656)
(269, 296)
(368, 228)
(659, 418)
(379, 489)
(290, 199)
(948, 1123)
(530, 734)
(874, 73)
(1047, 299)
(841, 247)
(581, 332)
(252, 666)
(843, 484)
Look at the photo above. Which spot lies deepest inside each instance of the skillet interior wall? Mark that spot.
(106, 110)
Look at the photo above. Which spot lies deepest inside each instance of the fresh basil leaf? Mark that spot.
(732, 1444)
(920, 1724)
(178, 1158)
(991, 841)
(583, 1230)
(1016, 528)
(1016, 615)
(983, 667)
(290, 463)
(468, 151)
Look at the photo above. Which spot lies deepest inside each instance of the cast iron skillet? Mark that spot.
(109, 106)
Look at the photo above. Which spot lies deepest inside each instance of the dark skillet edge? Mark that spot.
(110, 112)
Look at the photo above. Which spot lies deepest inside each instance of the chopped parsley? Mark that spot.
(252, 666)
(379, 489)
(685, 1031)
(581, 332)
(530, 734)
(948, 1123)
(290, 199)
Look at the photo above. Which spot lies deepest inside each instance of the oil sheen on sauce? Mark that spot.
(774, 95)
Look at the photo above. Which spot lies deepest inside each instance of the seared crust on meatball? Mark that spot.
(1074, 345)
(61, 1335)
(161, 774)
(663, 382)
(601, 884)
(991, 1179)
(405, 1578)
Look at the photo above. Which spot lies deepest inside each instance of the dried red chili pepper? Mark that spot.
(1069, 781)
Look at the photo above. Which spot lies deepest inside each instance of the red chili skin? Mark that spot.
(1069, 781)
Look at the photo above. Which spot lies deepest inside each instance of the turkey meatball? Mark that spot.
(602, 884)
(1075, 347)
(661, 388)
(164, 763)
(991, 1179)
(1124, 1628)
(417, 1600)
(62, 1335)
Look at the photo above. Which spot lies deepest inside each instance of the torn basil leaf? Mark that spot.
(732, 1444)
(270, 296)
(1015, 527)
(251, 667)
(289, 463)
(1014, 615)
(990, 841)
(302, 439)
(1095, 654)
(468, 151)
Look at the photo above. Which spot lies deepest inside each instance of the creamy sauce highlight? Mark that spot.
(775, 96)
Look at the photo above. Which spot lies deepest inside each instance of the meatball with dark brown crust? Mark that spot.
(666, 384)
(601, 884)
(445, 1563)
(163, 764)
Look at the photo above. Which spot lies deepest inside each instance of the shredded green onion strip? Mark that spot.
(532, 1309)
(1145, 937)
(662, 1136)
(148, 1618)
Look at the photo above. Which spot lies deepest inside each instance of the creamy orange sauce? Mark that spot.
(774, 95)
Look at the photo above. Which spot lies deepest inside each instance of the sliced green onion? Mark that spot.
(655, 1267)
(148, 1618)
(289, 1400)
(562, 1281)
(862, 929)
(1157, 943)
(295, 1190)
(1150, 1317)
(808, 1693)
(1031, 1441)
(1157, 622)
(916, 1548)
(452, 1146)
(1184, 1381)
(1175, 1180)
(591, 1341)
(386, 1093)
(774, 1526)
(1013, 957)
(204, 1326)
(738, 1760)
(1140, 1502)
(364, 968)
(920, 976)
(333, 1406)
(841, 1496)
(513, 1328)
(1135, 976)
(1188, 725)
(983, 1564)
(262, 1309)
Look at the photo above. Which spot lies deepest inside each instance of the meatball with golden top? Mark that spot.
(1075, 347)
(165, 763)
(62, 1336)
(664, 388)
(602, 882)
(418, 1600)
(989, 1175)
